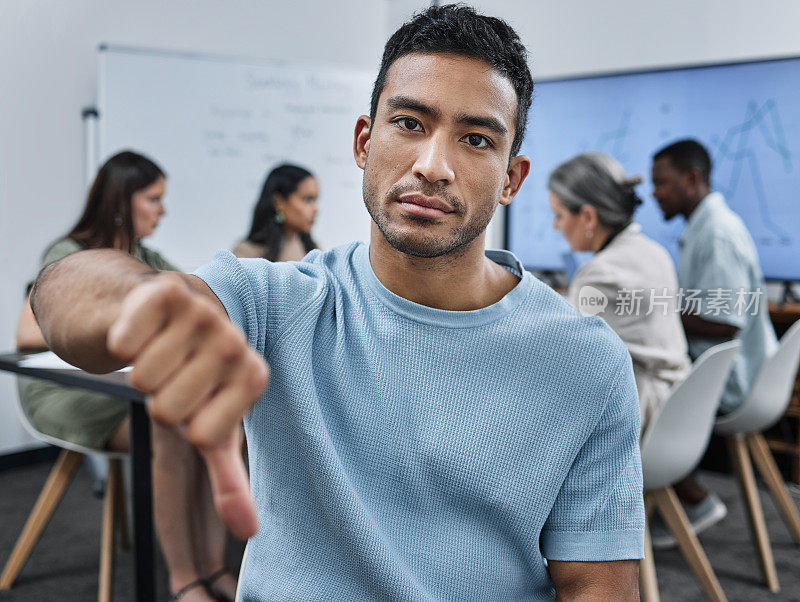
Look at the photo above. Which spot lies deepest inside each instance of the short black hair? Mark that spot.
(686, 155)
(458, 29)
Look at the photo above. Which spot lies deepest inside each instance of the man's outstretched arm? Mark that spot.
(76, 300)
(103, 309)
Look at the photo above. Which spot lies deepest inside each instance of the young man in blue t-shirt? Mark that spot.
(438, 422)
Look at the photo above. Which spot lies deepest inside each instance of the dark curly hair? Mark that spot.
(686, 155)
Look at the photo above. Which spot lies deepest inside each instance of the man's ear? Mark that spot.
(518, 170)
(693, 178)
(361, 140)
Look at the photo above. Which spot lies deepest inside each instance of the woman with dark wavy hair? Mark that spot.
(283, 216)
(123, 207)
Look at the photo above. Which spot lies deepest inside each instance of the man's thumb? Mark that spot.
(231, 489)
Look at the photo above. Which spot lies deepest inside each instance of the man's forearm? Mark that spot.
(76, 299)
(589, 581)
(695, 325)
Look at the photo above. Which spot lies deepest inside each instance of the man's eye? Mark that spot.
(409, 123)
(477, 140)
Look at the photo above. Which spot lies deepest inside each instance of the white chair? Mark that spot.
(671, 448)
(114, 513)
(766, 404)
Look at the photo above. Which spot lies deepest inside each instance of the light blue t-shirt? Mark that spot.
(719, 274)
(403, 452)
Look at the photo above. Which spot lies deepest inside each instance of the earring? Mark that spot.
(117, 220)
(279, 217)
(589, 233)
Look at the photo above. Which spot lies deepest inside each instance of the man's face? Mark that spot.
(670, 187)
(436, 160)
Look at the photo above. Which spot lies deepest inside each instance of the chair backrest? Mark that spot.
(36, 434)
(772, 390)
(678, 434)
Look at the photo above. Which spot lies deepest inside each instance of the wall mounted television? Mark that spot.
(746, 114)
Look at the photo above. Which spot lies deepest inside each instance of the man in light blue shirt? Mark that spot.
(719, 258)
(723, 292)
(438, 421)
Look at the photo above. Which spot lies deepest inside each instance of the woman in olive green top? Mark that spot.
(124, 206)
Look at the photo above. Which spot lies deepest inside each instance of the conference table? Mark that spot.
(115, 384)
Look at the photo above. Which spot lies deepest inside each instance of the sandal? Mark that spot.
(186, 589)
(209, 582)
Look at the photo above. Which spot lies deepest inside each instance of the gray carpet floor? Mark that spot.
(64, 564)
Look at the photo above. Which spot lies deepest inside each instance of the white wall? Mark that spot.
(48, 71)
(573, 37)
(48, 74)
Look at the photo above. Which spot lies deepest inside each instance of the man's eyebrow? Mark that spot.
(406, 102)
(490, 123)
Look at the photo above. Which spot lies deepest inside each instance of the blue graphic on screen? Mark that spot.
(747, 115)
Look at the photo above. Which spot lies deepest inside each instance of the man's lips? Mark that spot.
(424, 206)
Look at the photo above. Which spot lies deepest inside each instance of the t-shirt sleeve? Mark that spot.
(264, 297)
(598, 514)
(721, 276)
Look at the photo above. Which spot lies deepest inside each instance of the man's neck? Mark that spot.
(694, 203)
(459, 281)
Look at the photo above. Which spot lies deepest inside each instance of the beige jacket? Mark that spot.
(638, 278)
(291, 250)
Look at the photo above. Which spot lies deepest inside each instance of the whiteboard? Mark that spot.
(217, 126)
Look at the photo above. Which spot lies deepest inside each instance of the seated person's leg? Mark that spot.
(175, 477)
(210, 537)
(75, 415)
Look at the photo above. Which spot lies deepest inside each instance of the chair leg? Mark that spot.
(48, 500)
(649, 506)
(648, 583)
(120, 512)
(110, 503)
(670, 508)
(758, 527)
(772, 477)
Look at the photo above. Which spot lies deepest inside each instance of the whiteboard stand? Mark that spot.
(90, 117)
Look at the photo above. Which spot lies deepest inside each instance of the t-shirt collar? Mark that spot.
(702, 214)
(442, 317)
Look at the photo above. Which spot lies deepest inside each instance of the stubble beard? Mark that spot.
(425, 245)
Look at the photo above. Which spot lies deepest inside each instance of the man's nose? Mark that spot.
(433, 161)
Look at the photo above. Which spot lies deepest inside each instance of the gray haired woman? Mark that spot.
(630, 282)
